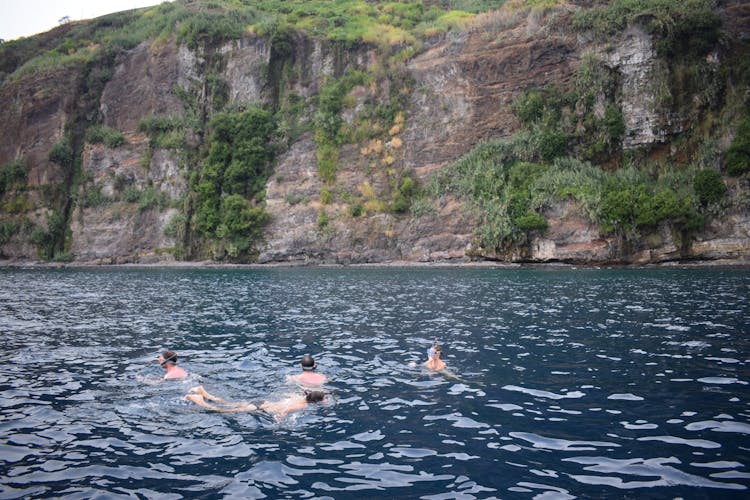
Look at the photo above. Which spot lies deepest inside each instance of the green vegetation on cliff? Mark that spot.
(12, 175)
(738, 156)
(681, 26)
(231, 184)
(197, 23)
(512, 190)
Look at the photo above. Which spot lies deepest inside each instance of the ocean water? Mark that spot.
(621, 383)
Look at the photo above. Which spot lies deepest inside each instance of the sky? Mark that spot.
(28, 17)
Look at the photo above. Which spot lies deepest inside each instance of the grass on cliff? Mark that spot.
(193, 22)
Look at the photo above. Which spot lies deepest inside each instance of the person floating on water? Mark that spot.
(292, 402)
(308, 377)
(434, 362)
(168, 361)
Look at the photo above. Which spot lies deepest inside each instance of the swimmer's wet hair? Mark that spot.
(314, 396)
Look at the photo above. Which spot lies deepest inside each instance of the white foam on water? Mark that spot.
(548, 443)
(639, 426)
(399, 452)
(545, 394)
(735, 427)
(723, 360)
(550, 492)
(625, 396)
(669, 327)
(721, 380)
(612, 358)
(662, 469)
(695, 443)
(567, 412)
(731, 475)
(364, 437)
(457, 389)
(506, 407)
(719, 464)
(458, 421)
(639, 308)
(462, 457)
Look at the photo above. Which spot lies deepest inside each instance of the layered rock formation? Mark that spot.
(462, 91)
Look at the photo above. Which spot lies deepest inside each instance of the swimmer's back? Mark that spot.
(310, 378)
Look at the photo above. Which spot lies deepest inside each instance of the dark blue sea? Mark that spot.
(609, 383)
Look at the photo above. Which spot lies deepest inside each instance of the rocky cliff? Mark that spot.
(133, 199)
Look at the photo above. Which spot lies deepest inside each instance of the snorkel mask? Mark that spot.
(432, 351)
(308, 363)
(163, 362)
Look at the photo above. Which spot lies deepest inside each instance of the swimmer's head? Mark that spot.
(308, 363)
(314, 396)
(435, 350)
(167, 357)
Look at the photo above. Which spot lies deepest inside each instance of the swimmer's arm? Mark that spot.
(452, 375)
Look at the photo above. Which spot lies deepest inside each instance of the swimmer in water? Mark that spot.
(308, 377)
(291, 403)
(168, 361)
(434, 362)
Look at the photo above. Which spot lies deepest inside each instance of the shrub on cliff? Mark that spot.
(497, 178)
(563, 122)
(708, 186)
(47, 240)
(241, 150)
(166, 132)
(8, 229)
(62, 153)
(231, 184)
(241, 223)
(12, 174)
(738, 155)
(687, 27)
(101, 134)
(631, 200)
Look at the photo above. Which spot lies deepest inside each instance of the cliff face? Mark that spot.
(460, 91)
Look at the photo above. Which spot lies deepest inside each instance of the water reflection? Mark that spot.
(572, 383)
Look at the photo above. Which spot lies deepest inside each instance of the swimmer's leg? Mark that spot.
(205, 394)
(199, 400)
(228, 408)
